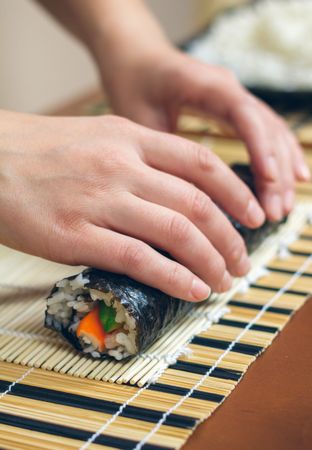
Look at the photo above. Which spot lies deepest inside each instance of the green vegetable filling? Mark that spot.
(108, 317)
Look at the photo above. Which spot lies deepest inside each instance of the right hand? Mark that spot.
(104, 191)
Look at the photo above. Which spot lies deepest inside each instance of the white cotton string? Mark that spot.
(229, 349)
(19, 380)
(117, 413)
(168, 358)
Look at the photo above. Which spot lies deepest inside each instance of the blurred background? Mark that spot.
(43, 67)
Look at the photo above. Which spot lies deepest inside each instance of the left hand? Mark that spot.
(152, 90)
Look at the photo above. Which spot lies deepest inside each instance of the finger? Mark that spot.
(277, 197)
(277, 192)
(270, 198)
(287, 181)
(301, 168)
(280, 195)
(250, 124)
(288, 152)
(178, 195)
(107, 250)
(174, 233)
(284, 151)
(198, 165)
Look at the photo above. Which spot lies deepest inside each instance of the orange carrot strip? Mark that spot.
(91, 327)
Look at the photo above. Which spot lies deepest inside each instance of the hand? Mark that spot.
(152, 88)
(104, 191)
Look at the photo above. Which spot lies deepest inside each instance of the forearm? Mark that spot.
(115, 31)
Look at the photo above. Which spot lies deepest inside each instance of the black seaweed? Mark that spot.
(153, 311)
(252, 237)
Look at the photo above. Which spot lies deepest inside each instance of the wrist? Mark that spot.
(116, 67)
(122, 41)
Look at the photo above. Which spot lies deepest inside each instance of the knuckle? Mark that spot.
(288, 179)
(200, 206)
(69, 220)
(68, 236)
(173, 276)
(115, 162)
(178, 229)
(236, 247)
(117, 121)
(217, 270)
(203, 159)
(73, 246)
(131, 256)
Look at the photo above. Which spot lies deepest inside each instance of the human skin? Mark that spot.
(104, 192)
(149, 81)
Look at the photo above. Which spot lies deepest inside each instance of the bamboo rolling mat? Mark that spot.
(51, 409)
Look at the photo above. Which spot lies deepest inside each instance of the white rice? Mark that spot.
(123, 340)
(267, 44)
(78, 282)
(70, 303)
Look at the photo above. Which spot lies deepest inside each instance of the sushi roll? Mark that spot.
(108, 315)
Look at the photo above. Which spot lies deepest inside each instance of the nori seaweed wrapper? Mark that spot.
(252, 237)
(153, 311)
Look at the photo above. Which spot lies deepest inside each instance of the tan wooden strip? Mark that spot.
(247, 314)
(307, 230)
(301, 246)
(228, 333)
(91, 420)
(278, 280)
(293, 262)
(14, 438)
(207, 355)
(305, 134)
(261, 296)
(210, 382)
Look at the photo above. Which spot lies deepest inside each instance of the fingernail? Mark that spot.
(244, 264)
(255, 214)
(271, 168)
(199, 290)
(304, 172)
(275, 207)
(226, 282)
(289, 200)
